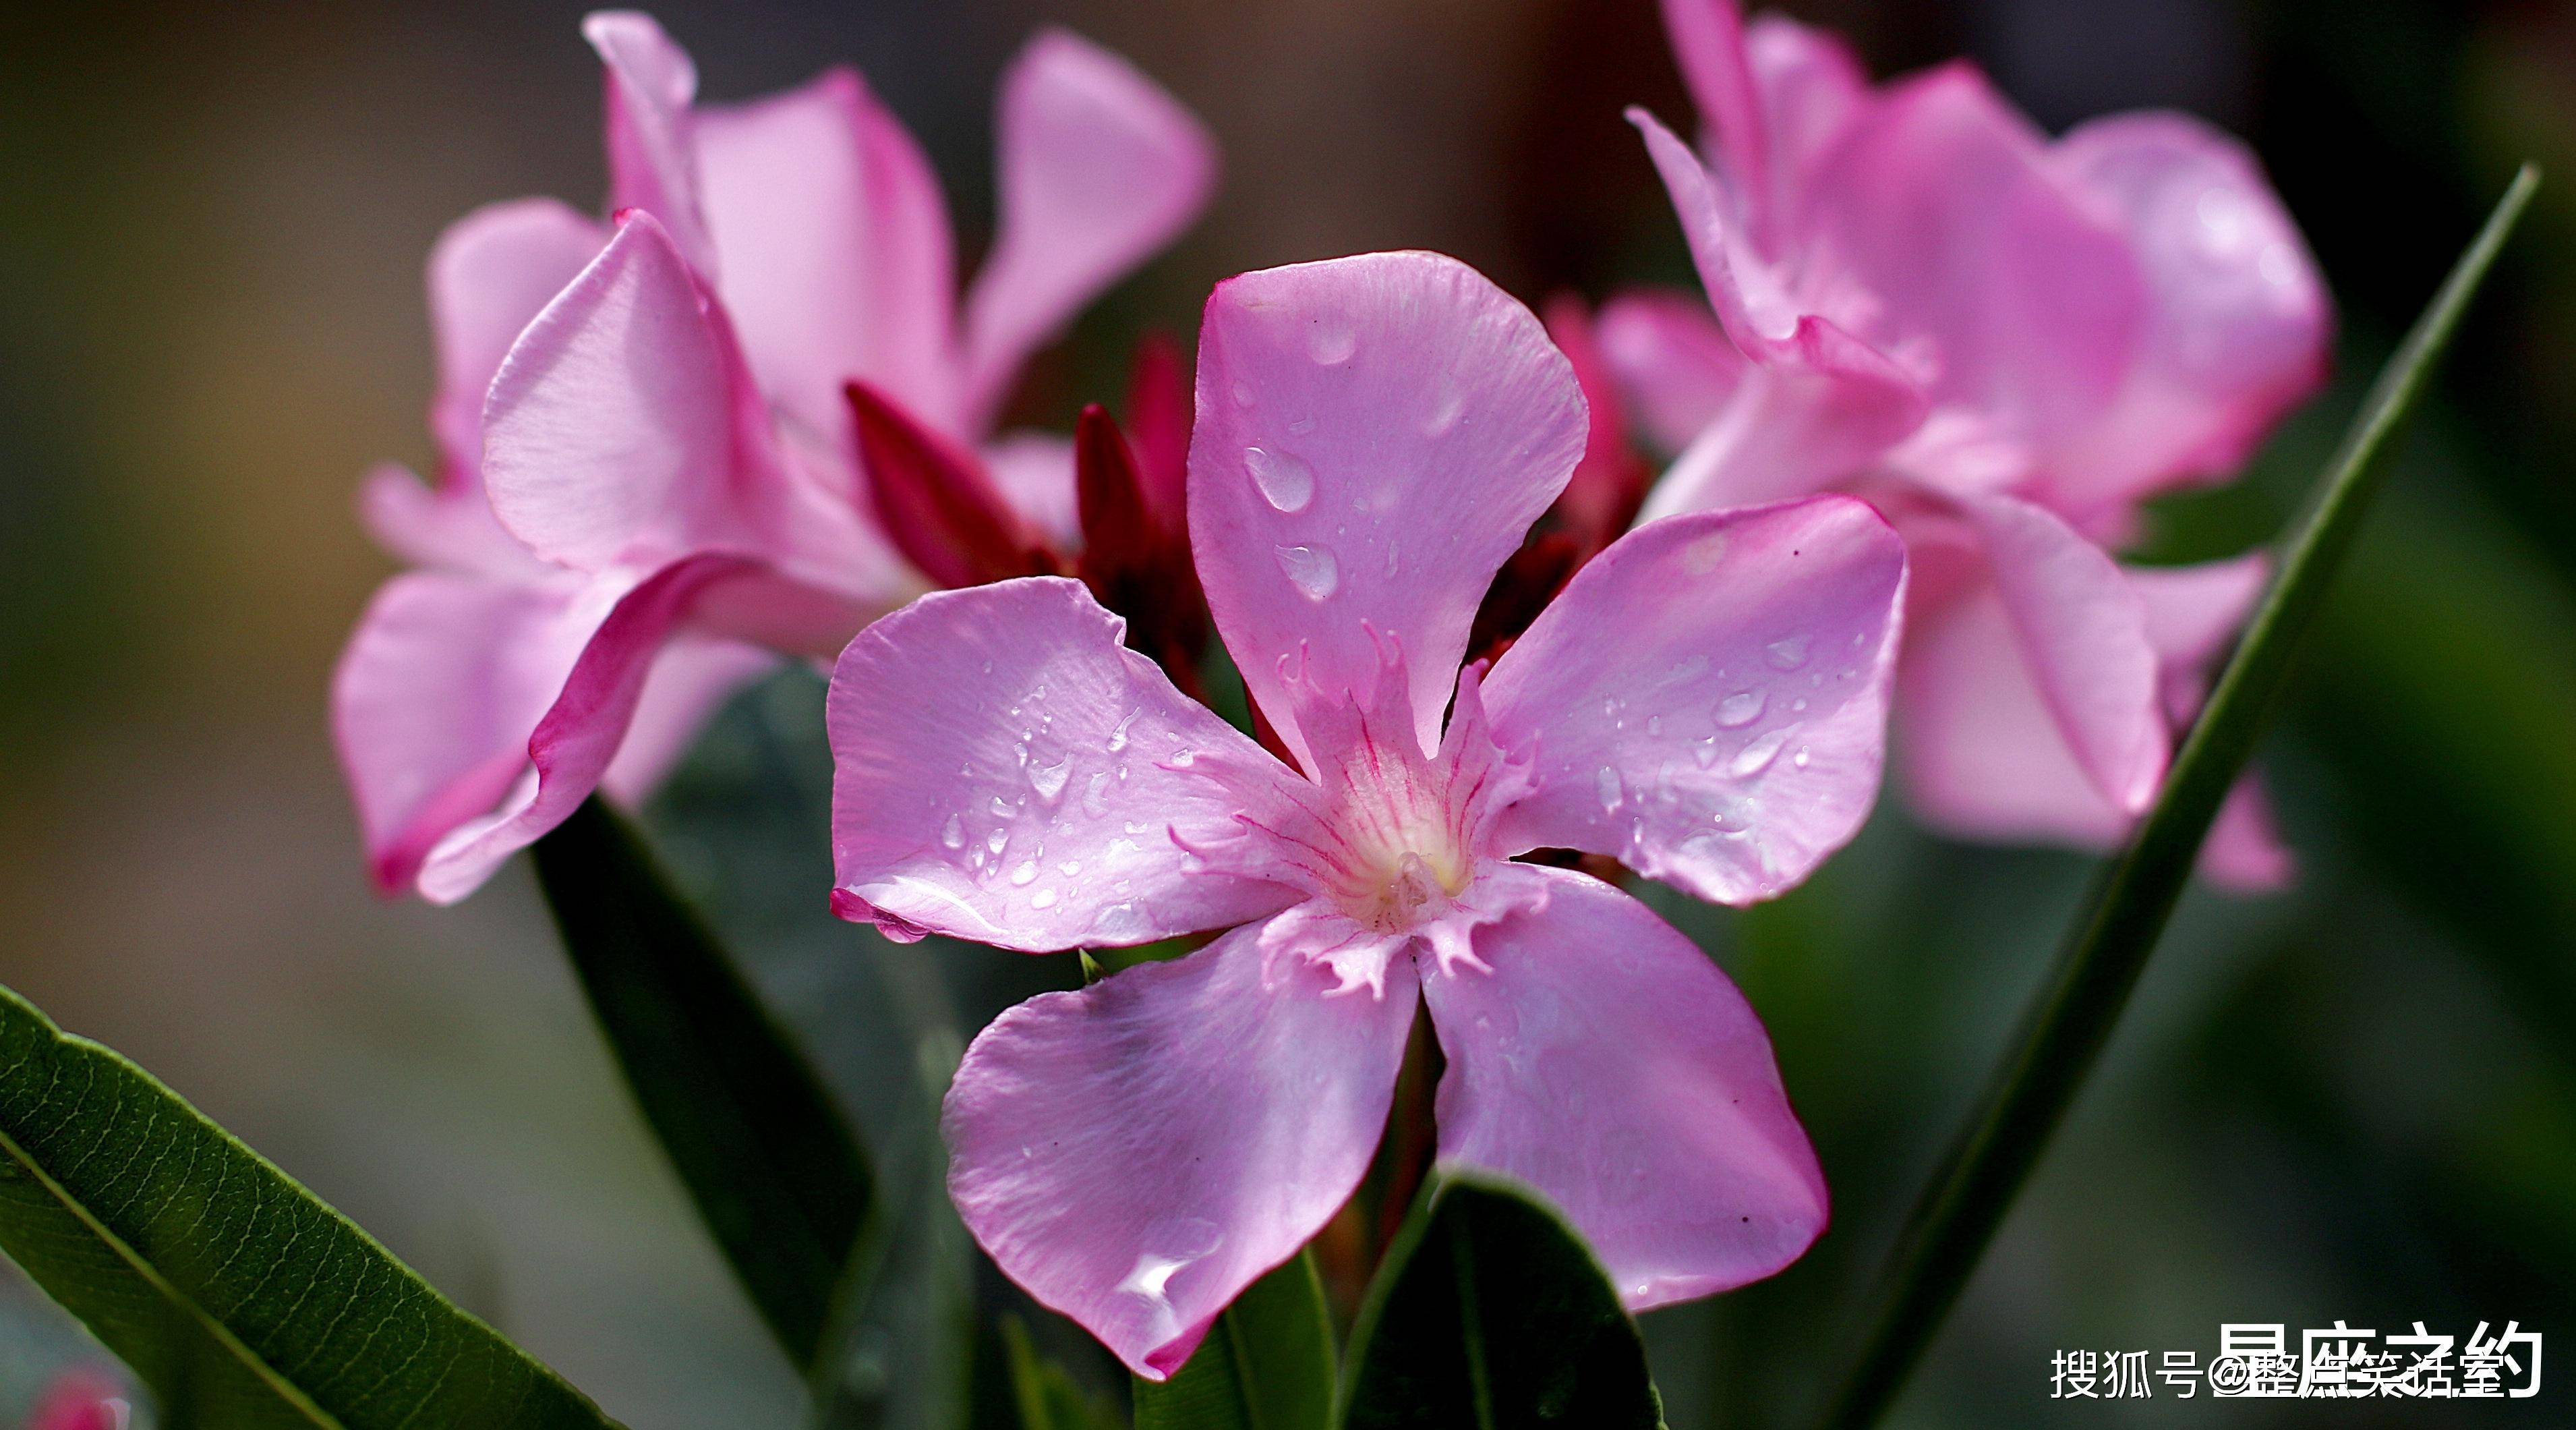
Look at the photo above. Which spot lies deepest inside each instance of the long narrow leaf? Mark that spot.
(1489, 1313)
(2065, 1030)
(775, 1171)
(1267, 1363)
(237, 1295)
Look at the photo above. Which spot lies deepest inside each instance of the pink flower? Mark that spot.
(2007, 343)
(649, 487)
(81, 1399)
(1703, 701)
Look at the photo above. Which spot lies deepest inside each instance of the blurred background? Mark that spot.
(2354, 1099)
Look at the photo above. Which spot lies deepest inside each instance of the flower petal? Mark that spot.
(1940, 201)
(690, 681)
(1673, 361)
(2244, 851)
(1005, 771)
(1728, 734)
(1099, 169)
(1604, 1060)
(1033, 471)
(490, 274)
(1982, 758)
(450, 526)
(434, 699)
(571, 747)
(1816, 403)
(1708, 41)
(2193, 614)
(1375, 435)
(836, 253)
(2082, 631)
(609, 433)
(2237, 323)
(1135, 1154)
(1811, 86)
(652, 157)
(1979, 752)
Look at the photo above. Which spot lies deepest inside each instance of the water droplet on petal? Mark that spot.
(1787, 653)
(1758, 754)
(1446, 408)
(1654, 724)
(1026, 873)
(1042, 899)
(1048, 780)
(1118, 736)
(1799, 759)
(1301, 426)
(1740, 709)
(1070, 867)
(1332, 340)
(1182, 758)
(1093, 802)
(952, 835)
(1286, 482)
(997, 840)
(1242, 393)
(1311, 569)
(1607, 781)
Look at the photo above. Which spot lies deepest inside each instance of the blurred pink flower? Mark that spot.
(649, 487)
(2007, 343)
(81, 1400)
(1704, 701)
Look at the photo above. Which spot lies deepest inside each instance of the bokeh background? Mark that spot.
(2354, 1099)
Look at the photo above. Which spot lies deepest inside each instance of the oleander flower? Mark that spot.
(1704, 701)
(2007, 343)
(649, 487)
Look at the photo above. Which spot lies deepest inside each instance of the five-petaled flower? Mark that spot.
(2007, 344)
(649, 486)
(1704, 701)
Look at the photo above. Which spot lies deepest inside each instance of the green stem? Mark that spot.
(2065, 1030)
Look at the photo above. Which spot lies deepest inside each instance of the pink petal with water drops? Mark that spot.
(577, 738)
(2081, 629)
(1135, 1154)
(434, 698)
(2237, 323)
(1100, 168)
(835, 251)
(490, 274)
(1006, 771)
(1602, 1058)
(1674, 363)
(1707, 699)
(652, 153)
(1375, 435)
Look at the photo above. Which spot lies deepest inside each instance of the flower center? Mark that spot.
(1394, 885)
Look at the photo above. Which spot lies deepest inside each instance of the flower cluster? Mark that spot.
(1939, 362)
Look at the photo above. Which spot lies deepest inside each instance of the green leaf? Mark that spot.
(2066, 1028)
(1489, 1312)
(1046, 1396)
(1267, 1363)
(775, 1171)
(237, 1295)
